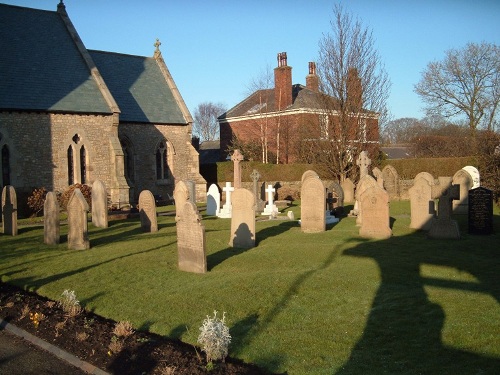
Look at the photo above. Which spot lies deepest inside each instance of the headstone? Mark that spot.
(236, 158)
(181, 196)
(335, 198)
(243, 219)
(308, 173)
(9, 210)
(312, 209)
(226, 209)
(374, 203)
(191, 188)
(377, 173)
(213, 200)
(147, 211)
(421, 201)
(271, 208)
(474, 173)
(348, 188)
(363, 162)
(191, 242)
(480, 218)
(99, 204)
(259, 203)
(464, 180)
(391, 181)
(78, 235)
(364, 183)
(442, 226)
(290, 215)
(51, 220)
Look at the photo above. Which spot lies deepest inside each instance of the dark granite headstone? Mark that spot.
(480, 211)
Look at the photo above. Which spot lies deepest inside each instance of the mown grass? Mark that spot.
(327, 303)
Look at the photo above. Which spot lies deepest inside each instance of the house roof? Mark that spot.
(41, 66)
(139, 87)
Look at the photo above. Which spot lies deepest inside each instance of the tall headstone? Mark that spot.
(191, 244)
(225, 211)
(51, 219)
(364, 183)
(147, 211)
(391, 182)
(421, 201)
(442, 226)
(236, 158)
(9, 210)
(312, 210)
(480, 218)
(213, 200)
(374, 203)
(78, 234)
(271, 208)
(363, 162)
(348, 188)
(181, 196)
(99, 204)
(191, 188)
(464, 180)
(243, 219)
(259, 203)
(377, 173)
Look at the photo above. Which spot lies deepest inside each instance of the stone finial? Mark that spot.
(157, 48)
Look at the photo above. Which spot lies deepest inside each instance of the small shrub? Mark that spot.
(66, 195)
(36, 200)
(24, 312)
(123, 329)
(36, 318)
(69, 304)
(115, 346)
(215, 338)
(82, 336)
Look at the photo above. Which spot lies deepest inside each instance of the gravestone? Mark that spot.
(9, 210)
(236, 158)
(348, 188)
(442, 226)
(335, 198)
(421, 201)
(191, 244)
(391, 181)
(464, 180)
(480, 218)
(147, 211)
(308, 173)
(213, 200)
(364, 183)
(99, 204)
(243, 219)
(191, 188)
(377, 173)
(374, 203)
(181, 196)
(474, 173)
(51, 220)
(363, 162)
(226, 209)
(259, 203)
(271, 208)
(312, 209)
(77, 209)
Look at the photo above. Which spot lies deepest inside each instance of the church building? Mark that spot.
(72, 115)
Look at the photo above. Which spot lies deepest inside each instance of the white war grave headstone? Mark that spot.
(213, 200)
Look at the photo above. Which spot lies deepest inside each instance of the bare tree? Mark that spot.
(355, 87)
(466, 83)
(205, 124)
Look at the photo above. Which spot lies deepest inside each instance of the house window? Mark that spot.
(323, 126)
(5, 166)
(161, 162)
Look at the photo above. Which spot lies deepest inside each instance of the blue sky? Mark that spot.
(215, 48)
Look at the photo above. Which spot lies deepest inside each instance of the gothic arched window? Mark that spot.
(5, 166)
(71, 170)
(161, 162)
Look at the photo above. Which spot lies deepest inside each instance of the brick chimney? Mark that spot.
(282, 83)
(354, 90)
(312, 80)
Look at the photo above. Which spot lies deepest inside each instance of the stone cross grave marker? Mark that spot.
(99, 204)
(243, 219)
(147, 211)
(259, 203)
(78, 235)
(236, 158)
(181, 196)
(225, 211)
(480, 216)
(312, 210)
(374, 203)
(442, 226)
(51, 220)
(9, 210)
(271, 208)
(191, 244)
(421, 201)
(363, 162)
(213, 200)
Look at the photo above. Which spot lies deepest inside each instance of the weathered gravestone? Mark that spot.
(99, 204)
(480, 218)
(474, 173)
(348, 188)
(191, 250)
(78, 234)
(271, 208)
(225, 211)
(377, 173)
(243, 219)
(191, 188)
(236, 158)
(147, 211)
(213, 200)
(335, 198)
(364, 183)
(421, 201)
(391, 181)
(442, 226)
(464, 180)
(51, 220)
(374, 203)
(259, 203)
(181, 196)
(312, 209)
(9, 210)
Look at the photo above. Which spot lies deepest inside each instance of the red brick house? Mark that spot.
(285, 118)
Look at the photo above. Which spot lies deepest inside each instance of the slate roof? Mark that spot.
(139, 87)
(41, 67)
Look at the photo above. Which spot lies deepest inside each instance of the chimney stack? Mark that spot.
(312, 80)
(282, 83)
(354, 90)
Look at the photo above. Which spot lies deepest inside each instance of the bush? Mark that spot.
(215, 338)
(66, 195)
(36, 200)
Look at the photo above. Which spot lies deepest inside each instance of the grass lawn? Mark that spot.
(327, 303)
